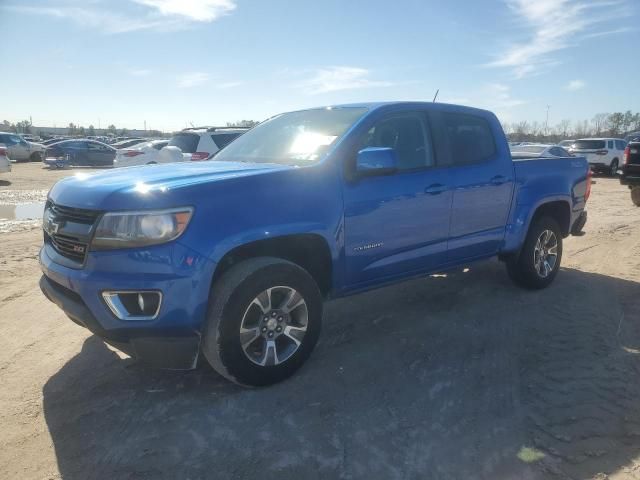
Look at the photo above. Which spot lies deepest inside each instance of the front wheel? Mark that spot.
(263, 321)
(635, 196)
(538, 262)
(35, 157)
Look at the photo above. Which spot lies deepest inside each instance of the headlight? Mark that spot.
(139, 229)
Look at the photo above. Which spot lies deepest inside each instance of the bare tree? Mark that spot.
(563, 128)
(614, 122)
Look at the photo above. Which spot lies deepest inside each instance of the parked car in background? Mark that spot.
(129, 142)
(633, 136)
(631, 170)
(21, 150)
(233, 258)
(30, 138)
(80, 153)
(5, 163)
(538, 151)
(566, 144)
(603, 154)
(142, 154)
(202, 143)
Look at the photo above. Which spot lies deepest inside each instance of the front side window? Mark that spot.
(296, 138)
(407, 135)
(470, 138)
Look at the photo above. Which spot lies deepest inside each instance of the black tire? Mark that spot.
(35, 157)
(635, 196)
(613, 169)
(522, 267)
(230, 299)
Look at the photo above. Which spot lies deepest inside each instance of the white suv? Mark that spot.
(201, 143)
(603, 154)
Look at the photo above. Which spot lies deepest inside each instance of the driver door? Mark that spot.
(397, 224)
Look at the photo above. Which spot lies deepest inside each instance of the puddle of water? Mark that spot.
(24, 211)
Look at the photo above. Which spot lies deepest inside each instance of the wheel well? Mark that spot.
(560, 211)
(309, 251)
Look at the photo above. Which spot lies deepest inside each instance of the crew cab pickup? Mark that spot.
(631, 170)
(232, 258)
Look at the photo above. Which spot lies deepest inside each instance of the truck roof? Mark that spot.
(422, 104)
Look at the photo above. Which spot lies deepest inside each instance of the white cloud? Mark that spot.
(498, 97)
(574, 85)
(139, 72)
(192, 79)
(113, 17)
(555, 25)
(333, 79)
(195, 10)
(225, 85)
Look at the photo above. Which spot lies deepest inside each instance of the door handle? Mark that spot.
(435, 189)
(498, 180)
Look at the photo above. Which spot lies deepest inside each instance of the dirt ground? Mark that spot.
(460, 376)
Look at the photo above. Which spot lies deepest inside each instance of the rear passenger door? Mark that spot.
(482, 185)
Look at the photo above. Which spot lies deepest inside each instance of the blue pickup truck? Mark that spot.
(233, 257)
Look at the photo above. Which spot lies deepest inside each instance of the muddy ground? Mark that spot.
(460, 376)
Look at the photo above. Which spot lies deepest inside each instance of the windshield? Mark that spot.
(588, 144)
(298, 138)
(530, 149)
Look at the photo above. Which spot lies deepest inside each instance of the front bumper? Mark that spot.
(172, 340)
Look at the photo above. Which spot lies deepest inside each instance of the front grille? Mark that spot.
(73, 214)
(68, 230)
(69, 247)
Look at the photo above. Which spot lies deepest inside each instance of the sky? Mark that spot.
(176, 63)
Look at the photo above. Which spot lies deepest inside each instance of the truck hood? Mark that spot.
(150, 186)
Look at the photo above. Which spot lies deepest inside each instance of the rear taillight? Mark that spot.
(132, 153)
(625, 157)
(587, 192)
(3, 151)
(602, 152)
(199, 156)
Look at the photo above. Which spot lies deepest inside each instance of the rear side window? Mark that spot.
(187, 142)
(610, 146)
(589, 144)
(620, 145)
(160, 146)
(224, 139)
(470, 138)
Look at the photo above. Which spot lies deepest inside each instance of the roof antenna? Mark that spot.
(436, 95)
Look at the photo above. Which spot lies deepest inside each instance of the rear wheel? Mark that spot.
(538, 262)
(263, 321)
(635, 196)
(613, 169)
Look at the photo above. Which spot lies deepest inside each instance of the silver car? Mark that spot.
(20, 150)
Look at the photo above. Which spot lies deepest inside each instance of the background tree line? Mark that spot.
(616, 124)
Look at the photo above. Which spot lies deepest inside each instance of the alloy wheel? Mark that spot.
(545, 253)
(273, 326)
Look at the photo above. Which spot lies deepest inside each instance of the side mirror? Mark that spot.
(376, 161)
